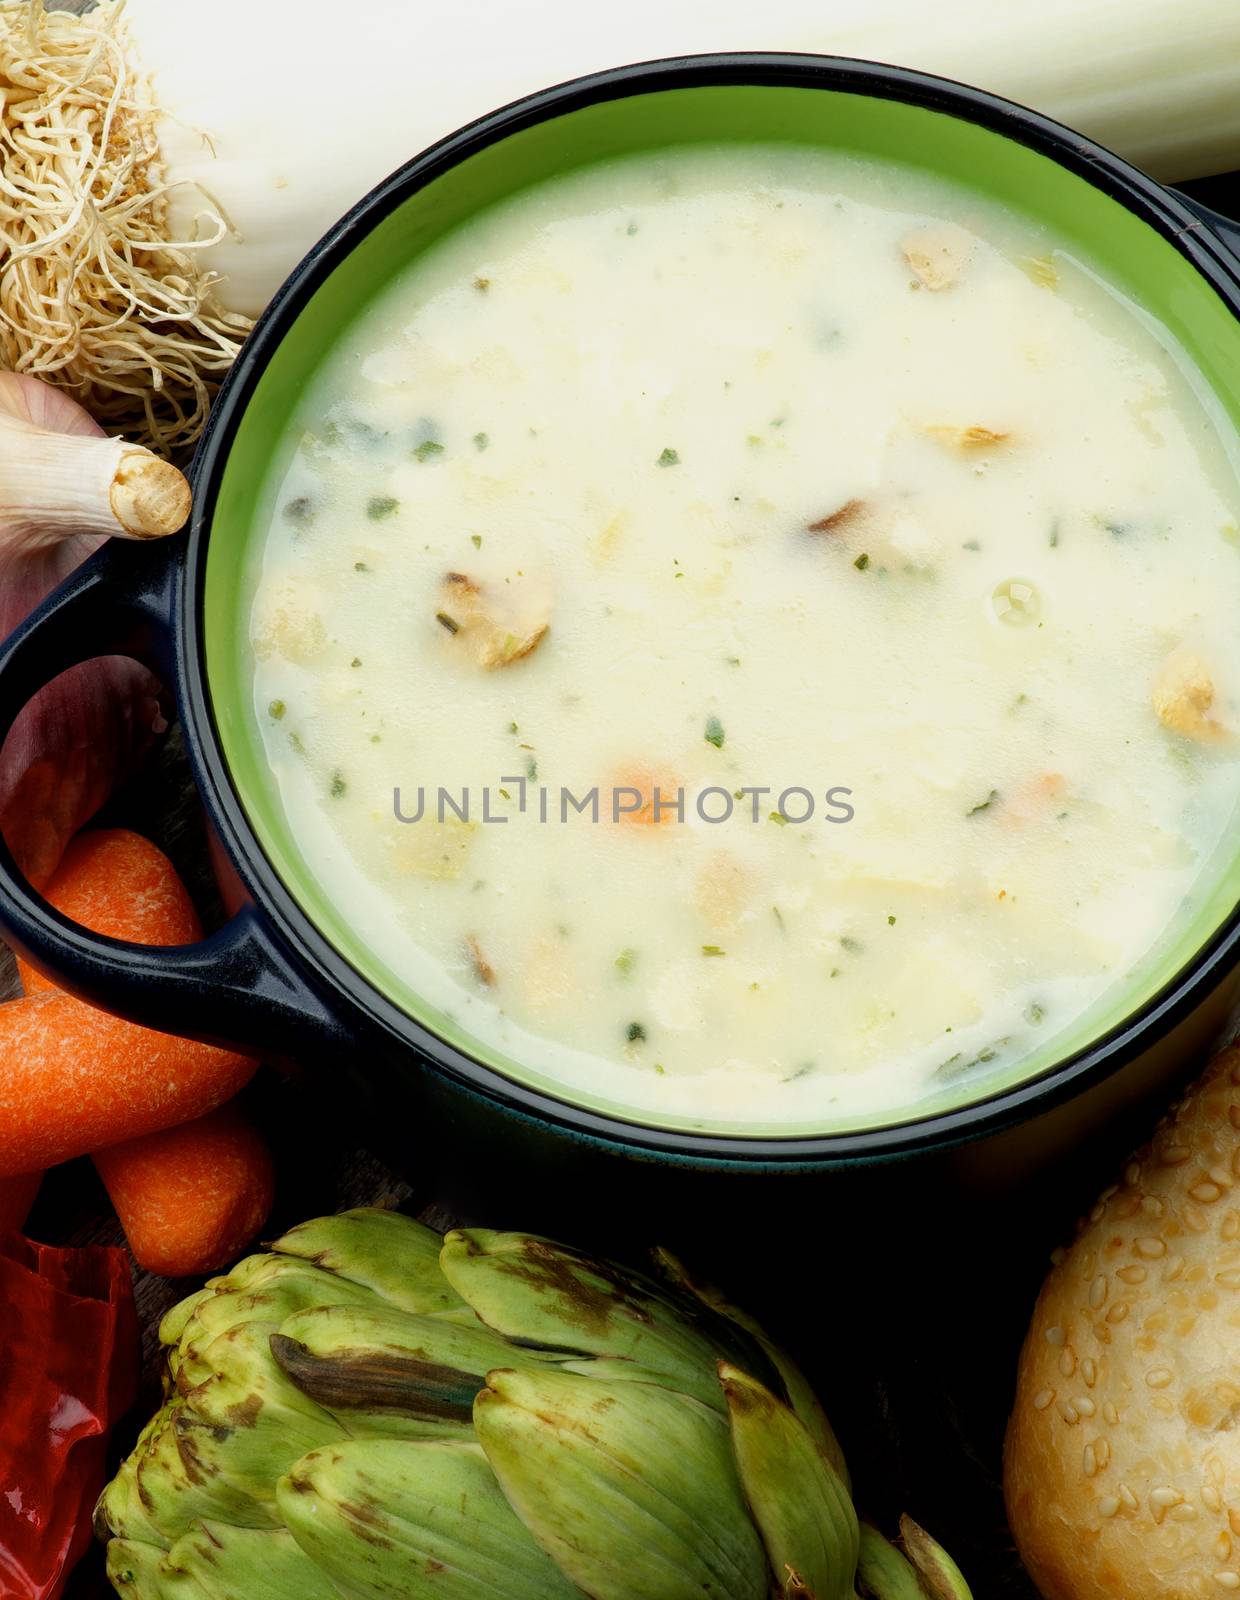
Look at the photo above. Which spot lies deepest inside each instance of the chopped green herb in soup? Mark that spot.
(879, 589)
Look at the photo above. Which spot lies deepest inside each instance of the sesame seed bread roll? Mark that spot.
(1122, 1469)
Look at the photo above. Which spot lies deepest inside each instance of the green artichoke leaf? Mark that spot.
(796, 1387)
(554, 1298)
(392, 1372)
(119, 1509)
(268, 1300)
(939, 1573)
(461, 1316)
(630, 1488)
(216, 1561)
(798, 1500)
(177, 1483)
(619, 1369)
(287, 1286)
(239, 1273)
(387, 1519)
(391, 1254)
(173, 1324)
(882, 1572)
(136, 1571)
(119, 1512)
(239, 1429)
(172, 1327)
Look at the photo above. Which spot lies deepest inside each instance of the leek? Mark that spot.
(213, 146)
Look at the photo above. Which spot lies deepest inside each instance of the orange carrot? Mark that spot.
(76, 1079)
(643, 791)
(190, 1198)
(117, 883)
(16, 1198)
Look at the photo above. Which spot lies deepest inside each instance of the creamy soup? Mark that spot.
(869, 565)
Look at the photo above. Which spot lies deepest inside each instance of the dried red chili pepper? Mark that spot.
(68, 1371)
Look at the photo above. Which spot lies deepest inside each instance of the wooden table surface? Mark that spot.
(910, 1334)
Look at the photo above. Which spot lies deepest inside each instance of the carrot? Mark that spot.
(77, 1079)
(190, 1198)
(16, 1198)
(117, 883)
(649, 788)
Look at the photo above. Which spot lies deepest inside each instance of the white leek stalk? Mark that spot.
(56, 484)
(309, 115)
(61, 478)
(270, 119)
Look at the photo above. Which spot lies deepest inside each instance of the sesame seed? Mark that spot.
(1159, 1377)
(1161, 1502)
(1211, 1499)
(1108, 1505)
(1233, 1520)
(1102, 1449)
(1058, 1256)
(1219, 1174)
(1205, 1194)
(1195, 1218)
(1152, 1206)
(1132, 1174)
(1133, 1274)
(1099, 1211)
(1089, 1371)
(1067, 1361)
(1183, 1513)
(1098, 1291)
(1089, 1462)
(1055, 1335)
(1069, 1413)
(1108, 1193)
(1231, 1225)
(1085, 1405)
(1173, 1270)
(1109, 1414)
(1042, 1399)
(1172, 1155)
(1227, 1580)
(1222, 1547)
(1151, 1246)
(1119, 1310)
(1127, 1496)
(1230, 1279)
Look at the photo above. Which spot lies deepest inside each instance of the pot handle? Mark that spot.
(236, 987)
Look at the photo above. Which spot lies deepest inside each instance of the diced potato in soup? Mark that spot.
(880, 587)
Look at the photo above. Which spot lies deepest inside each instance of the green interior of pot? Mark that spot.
(1131, 255)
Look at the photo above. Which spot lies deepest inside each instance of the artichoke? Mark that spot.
(369, 1411)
